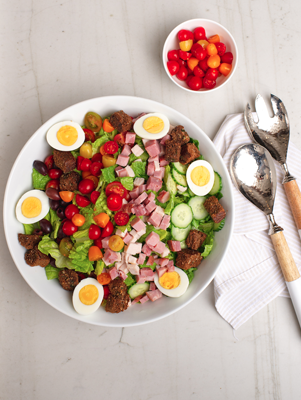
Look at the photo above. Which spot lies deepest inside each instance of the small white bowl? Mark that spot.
(211, 28)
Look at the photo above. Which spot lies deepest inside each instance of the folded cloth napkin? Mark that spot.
(250, 276)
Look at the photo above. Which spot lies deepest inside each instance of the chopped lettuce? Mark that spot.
(130, 280)
(39, 181)
(109, 174)
(170, 204)
(208, 244)
(29, 228)
(144, 156)
(88, 213)
(99, 142)
(79, 252)
(127, 182)
(55, 222)
(101, 204)
(190, 273)
(49, 246)
(52, 272)
(163, 234)
(139, 169)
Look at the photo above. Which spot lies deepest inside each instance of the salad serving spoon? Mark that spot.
(254, 175)
(273, 134)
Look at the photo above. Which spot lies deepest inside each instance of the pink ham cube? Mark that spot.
(141, 258)
(140, 279)
(133, 248)
(164, 139)
(165, 252)
(113, 273)
(161, 271)
(150, 197)
(162, 150)
(153, 159)
(150, 260)
(144, 299)
(174, 245)
(152, 239)
(159, 174)
(154, 295)
(121, 173)
(152, 286)
(163, 197)
(147, 273)
(140, 210)
(138, 181)
(157, 166)
(146, 250)
(141, 198)
(142, 188)
(156, 217)
(150, 170)
(134, 193)
(153, 148)
(134, 269)
(122, 160)
(160, 247)
(163, 162)
(122, 275)
(150, 207)
(165, 222)
(154, 184)
(138, 224)
(127, 238)
(130, 138)
(170, 266)
(137, 299)
(137, 151)
(129, 171)
(163, 262)
(126, 150)
(105, 242)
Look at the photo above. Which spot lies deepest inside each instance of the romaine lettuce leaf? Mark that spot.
(109, 174)
(49, 246)
(29, 228)
(208, 244)
(190, 273)
(39, 181)
(52, 272)
(127, 182)
(101, 204)
(163, 234)
(79, 253)
(55, 222)
(139, 169)
(99, 142)
(130, 280)
(170, 204)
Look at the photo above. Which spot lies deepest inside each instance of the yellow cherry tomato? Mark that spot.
(86, 150)
(203, 43)
(225, 68)
(211, 49)
(116, 243)
(108, 160)
(214, 61)
(186, 45)
(214, 39)
(192, 63)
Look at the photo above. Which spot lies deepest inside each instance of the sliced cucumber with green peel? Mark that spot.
(190, 192)
(217, 185)
(180, 234)
(197, 205)
(180, 168)
(206, 227)
(219, 226)
(171, 185)
(181, 216)
(178, 178)
(138, 289)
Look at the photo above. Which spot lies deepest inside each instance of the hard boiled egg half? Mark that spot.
(65, 136)
(32, 207)
(173, 283)
(87, 296)
(152, 126)
(200, 177)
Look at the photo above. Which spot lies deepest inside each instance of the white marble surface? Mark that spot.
(57, 53)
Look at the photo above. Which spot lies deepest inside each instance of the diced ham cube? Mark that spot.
(153, 148)
(118, 265)
(147, 272)
(137, 299)
(132, 260)
(133, 248)
(137, 150)
(127, 208)
(122, 275)
(174, 245)
(165, 252)
(141, 198)
(126, 150)
(129, 171)
(140, 210)
(163, 197)
(141, 258)
(111, 256)
(163, 162)
(157, 166)
(105, 242)
(152, 286)
(159, 174)
(133, 268)
(121, 173)
(164, 139)
(138, 224)
(150, 197)
(113, 273)
(152, 239)
(150, 207)
(150, 170)
(154, 184)
(138, 116)
(162, 150)
(133, 239)
(154, 295)
(142, 188)
(163, 262)
(145, 141)
(122, 160)
(159, 247)
(153, 159)
(144, 299)
(146, 250)
(170, 266)
(165, 222)
(138, 181)
(124, 268)
(134, 193)
(130, 138)
(118, 168)
(127, 238)
(156, 217)
(150, 260)
(161, 271)
(140, 279)
(124, 201)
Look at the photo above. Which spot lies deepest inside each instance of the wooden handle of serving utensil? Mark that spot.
(294, 198)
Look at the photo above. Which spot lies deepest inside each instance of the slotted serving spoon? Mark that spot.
(254, 175)
(273, 134)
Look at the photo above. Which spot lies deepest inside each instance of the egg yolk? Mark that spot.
(200, 176)
(170, 280)
(153, 124)
(31, 207)
(67, 135)
(88, 295)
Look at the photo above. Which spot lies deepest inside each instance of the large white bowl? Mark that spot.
(19, 181)
(211, 28)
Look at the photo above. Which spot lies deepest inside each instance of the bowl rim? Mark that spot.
(164, 52)
(151, 319)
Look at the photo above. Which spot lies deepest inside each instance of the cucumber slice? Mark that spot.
(171, 185)
(180, 234)
(183, 245)
(219, 226)
(217, 185)
(206, 227)
(180, 168)
(191, 194)
(180, 179)
(138, 289)
(181, 216)
(197, 205)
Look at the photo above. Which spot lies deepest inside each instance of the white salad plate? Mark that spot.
(19, 182)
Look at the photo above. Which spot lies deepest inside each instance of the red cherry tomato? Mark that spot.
(117, 188)
(173, 55)
(120, 139)
(94, 232)
(203, 64)
(107, 230)
(79, 162)
(212, 74)
(85, 164)
(173, 67)
(184, 34)
(195, 83)
(188, 78)
(69, 228)
(182, 74)
(106, 292)
(71, 210)
(54, 183)
(89, 135)
(86, 186)
(198, 72)
(49, 162)
(55, 173)
(208, 83)
(111, 147)
(98, 242)
(96, 158)
(199, 34)
(121, 218)
(82, 201)
(198, 51)
(114, 202)
(95, 168)
(184, 55)
(94, 196)
(182, 63)
(221, 48)
(227, 58)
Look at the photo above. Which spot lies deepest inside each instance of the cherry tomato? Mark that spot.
(94, 179)
(116, 243)
(55, 173)
(94, 196)
(111, 147)
(121, 218)
(195, 83)
(227, 58)
(107, 127)
(221, 48)
(114, 202)
(214, 39)
(107, 230)
(182, 63)
(102, 150)
(203, 64)
(208, 83)
(120, 139)
(94, 253)
(198, 52)
(184, 34)
(225, 68)
(108, 160)
(98, 243)
(211, 49)
(93, 121)
(86, 186)
(49, 162)
(192, 63)
(214, 61)
(79, 162)
(86, 150)
(96, 158)
(106, 292)
(189, 77)
(186, 45)
(173, 55)
(173, 67)
(69, 228)
(78, 220)
(54, 183)
(82, 201)
(198, 72)
(89, 135)
(212, 74)
(203, 43)
(182, 74)
(199, 33)
(184, 55)
(71, 210)
(85, 164)
(95, 168)
(66, 196)
(65, 246)
(94, 232)
(117, 188)
(85, 174)
(102, 219)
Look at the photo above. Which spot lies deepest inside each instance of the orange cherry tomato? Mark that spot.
(66, 196)
(186, 45)
(214, 61)
(116, 243)
(102, 219)
(94, 179)
(211, 49)
(192, 63)
(104, 278)
(214, 39)
(102, 150)
(203, 43)
(78, 220)
(94, 253)
(107, 127)
(85, 174)
(225, 68)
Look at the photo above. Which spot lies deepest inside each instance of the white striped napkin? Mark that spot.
(250, 276)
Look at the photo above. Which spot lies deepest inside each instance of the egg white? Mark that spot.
(200, 190)
(81, 308)
(140, 131)
(53, 141)
(178, 291)
(45, 207)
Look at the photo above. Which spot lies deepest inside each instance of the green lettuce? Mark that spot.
(130, 280)
(48, 246)
(162, 233)
(127, 182)
(99, 142)
(190, 273)
(109, 174)
(170, 204)
(29, 228)
(139, 169)
(101, 204)
(39, 181)
(52, 272)
(208, 244)
(88, 213)
(55, 222)
(144, 156)
(79, 253)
